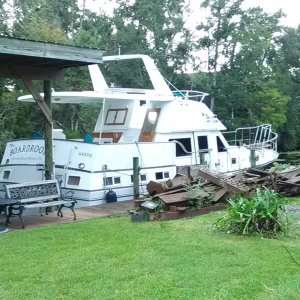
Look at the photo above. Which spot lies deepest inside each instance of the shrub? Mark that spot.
(262, 212)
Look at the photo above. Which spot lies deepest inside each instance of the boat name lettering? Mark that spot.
(85, 154)
(28, 148)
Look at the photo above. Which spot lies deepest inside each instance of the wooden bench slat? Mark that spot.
(46, 204)
(41, 198)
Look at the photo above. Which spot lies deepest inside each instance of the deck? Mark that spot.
(83, 213)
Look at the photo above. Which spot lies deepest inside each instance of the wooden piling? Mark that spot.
(136, 180)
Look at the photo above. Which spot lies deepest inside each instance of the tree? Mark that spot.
(155, 28)
(217, 31)
(4, 17)
(287, 68)
(240, 44)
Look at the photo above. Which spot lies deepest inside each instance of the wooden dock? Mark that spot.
(83, 213)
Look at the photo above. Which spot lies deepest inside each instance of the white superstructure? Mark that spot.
(164, 129)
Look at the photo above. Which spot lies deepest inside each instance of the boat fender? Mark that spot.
(111, 196)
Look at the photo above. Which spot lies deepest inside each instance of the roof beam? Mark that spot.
(36, 95)
(34, 73)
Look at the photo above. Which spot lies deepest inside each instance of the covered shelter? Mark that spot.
(35, 60)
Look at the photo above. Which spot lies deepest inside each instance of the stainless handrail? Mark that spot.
(254, 137)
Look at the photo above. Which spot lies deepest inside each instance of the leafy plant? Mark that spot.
(281, 167)
(161, 205)
(260, 213)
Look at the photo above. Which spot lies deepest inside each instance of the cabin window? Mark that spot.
(183, 147)
(143, 177)
(202, 142)
(111, 180)
(117, 180)
(166, 175)
(116, 116)
(73, 180)
(162, 175)
(159, 176)
(6, 174)
(108, 181)
(220, 145)
(233, 161)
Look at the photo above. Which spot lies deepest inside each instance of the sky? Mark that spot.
(290, 7)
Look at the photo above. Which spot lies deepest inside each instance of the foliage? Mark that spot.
(280, 167)
(288, 67)
(113, 258)
(155, 28)
(271, 107)
(261, 213)
(161, 205)
(198, 195)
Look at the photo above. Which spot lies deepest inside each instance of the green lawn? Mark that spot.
(293, 200)
(112, 258)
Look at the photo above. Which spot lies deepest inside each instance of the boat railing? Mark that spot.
(256, 137)
(190, 95)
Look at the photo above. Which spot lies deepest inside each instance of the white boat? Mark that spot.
(165, 129)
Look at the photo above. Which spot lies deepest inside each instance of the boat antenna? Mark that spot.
(101, 122)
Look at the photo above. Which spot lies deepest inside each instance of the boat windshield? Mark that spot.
(190, 95)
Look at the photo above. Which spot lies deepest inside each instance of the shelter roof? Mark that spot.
(45, 54)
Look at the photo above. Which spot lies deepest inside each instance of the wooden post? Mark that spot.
(49, 174)
(252, 158)
(136, 183)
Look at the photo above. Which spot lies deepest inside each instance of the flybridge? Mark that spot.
(160, 91)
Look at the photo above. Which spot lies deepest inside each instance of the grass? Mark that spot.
(293, 200)
(112, 258)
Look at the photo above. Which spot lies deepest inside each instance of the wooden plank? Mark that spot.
(184, 214)
(221, 193)
(290, 174)
(174, 198)
(223, 181)
(171, 192)
(287, 183)
(258, 172)
(295, 179)
(252, 175)
(257, 179)
(47, 204)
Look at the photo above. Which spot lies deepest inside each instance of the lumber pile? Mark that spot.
(211, 187)
(200, 190)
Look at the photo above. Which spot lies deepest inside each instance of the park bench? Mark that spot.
(38, 194)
